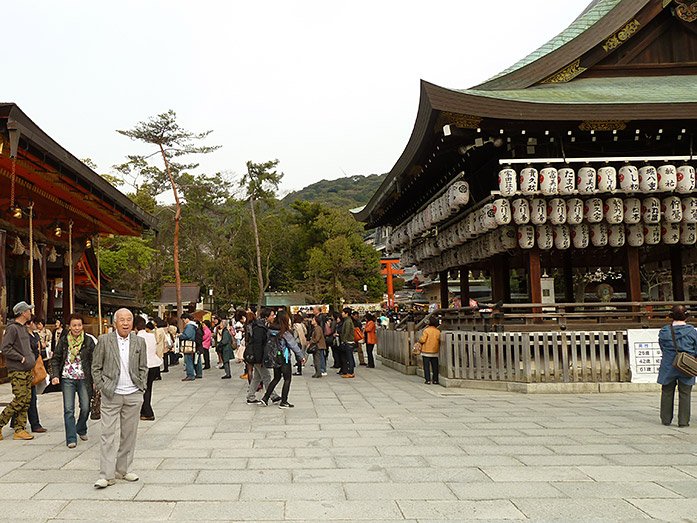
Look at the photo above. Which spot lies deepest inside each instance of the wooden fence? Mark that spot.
(536, 357)
(394, 346)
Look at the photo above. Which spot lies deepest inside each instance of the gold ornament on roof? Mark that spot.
(622, 36)
(18, 247)
(566, 74)
(464, 121)
(686, 11)
(603, 125)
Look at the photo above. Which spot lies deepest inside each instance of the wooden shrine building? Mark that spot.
(52, 209)
(580, 156)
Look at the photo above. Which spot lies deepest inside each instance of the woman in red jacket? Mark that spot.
(371, 338)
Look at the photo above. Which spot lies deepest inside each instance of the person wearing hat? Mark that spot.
(20, 362)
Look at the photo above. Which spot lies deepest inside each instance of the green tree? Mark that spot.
(171, 141)
(260, 183)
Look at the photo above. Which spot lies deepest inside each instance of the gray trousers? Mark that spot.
(260, 375)
(668, 400)
(119, 412)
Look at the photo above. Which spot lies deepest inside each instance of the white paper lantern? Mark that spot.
(562, 237)
(670, 233)
(427, 221)
(521, 211)
(548, 181)
(580, 235)
(585, 180)
(508, 237)
(556, 211)
(613, 210)
(635, 234)
(545, 236)
(538, 211)
(652, 233)
(458, 195)
(648, 179)
(667, 178)
(593, 210)
(566, 181)
(607, 179)
(685, 179)
(502, 211)
(599, 234)
(688, 233)
(651, 210)
(508, 181)
(615, 235)
(574, 211)
(488, 218)
(526, 236)
(528, 180)
(671, 209)
(628, 176)
(689, 209)
(632, 210)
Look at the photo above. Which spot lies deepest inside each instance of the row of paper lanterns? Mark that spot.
(589, 180)
(546, 237)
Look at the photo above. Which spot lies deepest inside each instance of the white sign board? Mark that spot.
(644, 355)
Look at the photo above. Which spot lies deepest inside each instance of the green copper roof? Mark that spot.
(593, 13)
(622, 90)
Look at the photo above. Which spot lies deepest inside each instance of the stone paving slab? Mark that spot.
(383, 447)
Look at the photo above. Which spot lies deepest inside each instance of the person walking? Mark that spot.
(71, 366)
(224, 346)
(286, 343)
(187, 340)
(254, 352)
(318, 344)
(346, 339)
(371, 338)
(33, 411)
(145, 331)
(674, 338)
(20, 361)
(120, 373)
(430, 346)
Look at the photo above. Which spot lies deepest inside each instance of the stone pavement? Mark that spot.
(381, 447)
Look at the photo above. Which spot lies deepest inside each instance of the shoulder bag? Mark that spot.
(187, 346)
(685, 362)
(38, 371)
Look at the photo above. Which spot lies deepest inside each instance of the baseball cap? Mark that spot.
(21, 307)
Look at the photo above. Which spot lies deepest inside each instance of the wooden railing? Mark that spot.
(535, 357)
(395, 346)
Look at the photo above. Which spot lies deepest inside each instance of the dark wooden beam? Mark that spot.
(568, 277)
(501, 279)
(676, 273)
(3, 279)
(633, 274)
(464, 286)
(535, 278)
(444, 295)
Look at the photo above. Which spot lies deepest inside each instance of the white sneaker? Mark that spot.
(324, 374)
(103, 483)
(128, 476)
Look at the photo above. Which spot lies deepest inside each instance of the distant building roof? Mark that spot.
(286, 299)
(191, 293)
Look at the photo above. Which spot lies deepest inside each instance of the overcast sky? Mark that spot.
(329, 88)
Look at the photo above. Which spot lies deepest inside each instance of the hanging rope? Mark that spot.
(31, 254)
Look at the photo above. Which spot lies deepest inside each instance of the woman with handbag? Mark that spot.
(71, 365)
(318, 349)
(224, 344)
(673, 339)
(430, 346)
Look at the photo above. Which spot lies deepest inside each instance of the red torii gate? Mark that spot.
(389, 270)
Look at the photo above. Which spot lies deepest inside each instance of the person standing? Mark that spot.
(430, 346)
(678, 336)
(120, 371)
(154, 361)
(33, 411)
(224, 346)
(71, 366)
(57, 333)
(300, 335)
(187, 340)
(348, 364)
(163, 343)
(319, 345)
(286, 343)
(207, 343)
(20, 361)
(371, 338)
(255, 352)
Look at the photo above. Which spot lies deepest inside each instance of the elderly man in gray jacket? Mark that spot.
(119, 372)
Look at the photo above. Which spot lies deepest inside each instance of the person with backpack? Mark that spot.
(254, 355)
(187, 341)
(277, 353)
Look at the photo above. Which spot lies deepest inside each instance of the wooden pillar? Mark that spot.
(3, 278)
(501, 279)
(633, 275)
(41, 283)
(676, 273)
(465, 286)
(444, 301)
(535, 278)
(67, 291)
(568, 269)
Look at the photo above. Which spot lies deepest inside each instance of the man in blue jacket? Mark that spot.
(189, 336)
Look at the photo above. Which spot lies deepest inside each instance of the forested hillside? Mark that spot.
(345, 193)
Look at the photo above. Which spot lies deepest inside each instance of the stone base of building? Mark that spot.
(400, 367)
(549, 388)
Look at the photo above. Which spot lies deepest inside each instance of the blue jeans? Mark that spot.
(322, 360)
(70, 388)
(193, 371)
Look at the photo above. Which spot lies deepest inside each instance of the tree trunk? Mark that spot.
(260, 277)
(177, 218)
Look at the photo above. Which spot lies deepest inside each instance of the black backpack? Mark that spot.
(273, 351)
(199, 338)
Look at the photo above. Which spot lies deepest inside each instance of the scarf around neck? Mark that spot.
(74, 346)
